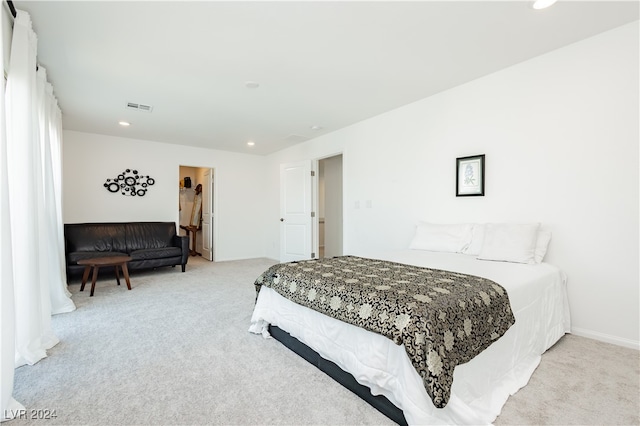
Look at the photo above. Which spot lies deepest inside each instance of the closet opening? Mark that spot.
(196, 209)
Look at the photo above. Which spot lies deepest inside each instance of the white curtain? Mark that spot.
(33, 274)
(8, 405)
(50, 121)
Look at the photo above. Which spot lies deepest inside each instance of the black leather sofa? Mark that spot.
(150, 244)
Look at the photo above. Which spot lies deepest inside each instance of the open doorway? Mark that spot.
(330, 207)
(196, 209)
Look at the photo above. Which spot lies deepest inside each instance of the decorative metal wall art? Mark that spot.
(130, 183)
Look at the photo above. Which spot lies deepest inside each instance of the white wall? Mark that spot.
(89, 159)
(560, 134)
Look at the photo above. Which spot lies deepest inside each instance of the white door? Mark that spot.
(295, 211)
(207, 215)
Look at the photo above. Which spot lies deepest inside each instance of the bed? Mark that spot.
(481, 386)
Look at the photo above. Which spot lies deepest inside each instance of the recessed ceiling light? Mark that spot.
(315, 127)
(124, 123)
(251, 143)
(251, 84)
(542, 4)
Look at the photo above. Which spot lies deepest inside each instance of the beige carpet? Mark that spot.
(175, 350)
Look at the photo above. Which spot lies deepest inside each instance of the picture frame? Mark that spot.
(470, 176)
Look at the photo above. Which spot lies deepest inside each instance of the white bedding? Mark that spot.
(480, 387)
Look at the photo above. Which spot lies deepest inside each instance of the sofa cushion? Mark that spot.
(74, 257)
(149, 235)
(157, 253)
(95, 237)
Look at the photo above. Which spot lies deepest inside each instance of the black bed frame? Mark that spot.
(378, 402)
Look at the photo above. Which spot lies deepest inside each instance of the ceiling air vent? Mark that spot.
(139, 107)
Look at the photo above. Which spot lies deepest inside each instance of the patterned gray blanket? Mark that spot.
(442, 318)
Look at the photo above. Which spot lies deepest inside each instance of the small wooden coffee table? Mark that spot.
(120, 262)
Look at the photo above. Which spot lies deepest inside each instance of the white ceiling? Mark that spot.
(329, 64)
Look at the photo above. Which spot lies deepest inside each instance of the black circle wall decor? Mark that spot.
(129, 183)
(112, 187)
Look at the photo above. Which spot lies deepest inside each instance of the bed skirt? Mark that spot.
(379, 402)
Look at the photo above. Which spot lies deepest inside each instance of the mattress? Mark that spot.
(481, 386)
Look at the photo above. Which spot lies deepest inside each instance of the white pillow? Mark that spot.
(439, 237)
(510, 242)
(477, 237)
(544, 237)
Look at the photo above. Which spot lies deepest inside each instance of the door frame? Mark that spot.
(314, 199)
(208, 176)
(214, 200)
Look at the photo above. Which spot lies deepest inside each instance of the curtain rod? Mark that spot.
(12, 8)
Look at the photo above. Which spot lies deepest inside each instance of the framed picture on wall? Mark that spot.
(470, 176)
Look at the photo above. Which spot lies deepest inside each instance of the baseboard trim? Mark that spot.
(233, 259)
(620, 341)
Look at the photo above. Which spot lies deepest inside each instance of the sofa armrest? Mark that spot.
(182, 241)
